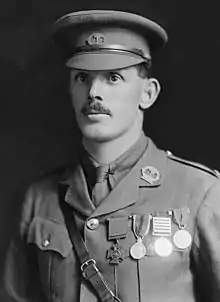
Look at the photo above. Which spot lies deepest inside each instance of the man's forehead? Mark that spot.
(124, 70)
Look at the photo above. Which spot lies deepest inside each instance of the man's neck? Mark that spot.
(106, 152)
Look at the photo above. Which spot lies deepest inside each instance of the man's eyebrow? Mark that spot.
(119, 71)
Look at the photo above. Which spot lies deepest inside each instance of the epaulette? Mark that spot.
(215, 173)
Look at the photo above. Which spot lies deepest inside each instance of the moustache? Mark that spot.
(95, 108)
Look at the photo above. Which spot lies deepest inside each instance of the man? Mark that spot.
(129, 222)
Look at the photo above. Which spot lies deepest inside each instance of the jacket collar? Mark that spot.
(125, 193)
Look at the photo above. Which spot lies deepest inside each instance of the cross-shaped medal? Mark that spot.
(115, 254)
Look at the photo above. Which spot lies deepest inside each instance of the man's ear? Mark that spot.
(150, 93)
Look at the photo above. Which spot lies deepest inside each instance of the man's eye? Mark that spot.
(81, 77)
(114, 78)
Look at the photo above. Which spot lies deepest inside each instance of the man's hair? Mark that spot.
(143, 70)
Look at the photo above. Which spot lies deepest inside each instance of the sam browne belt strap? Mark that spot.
(88, 266)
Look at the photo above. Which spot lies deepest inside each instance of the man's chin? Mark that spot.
(97, 135)
(98, 138)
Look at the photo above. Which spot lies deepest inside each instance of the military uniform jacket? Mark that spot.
(164, 194)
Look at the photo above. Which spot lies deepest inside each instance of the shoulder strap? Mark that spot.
(215, 173)
(88, 265)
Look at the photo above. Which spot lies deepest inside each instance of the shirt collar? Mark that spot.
(125, 161)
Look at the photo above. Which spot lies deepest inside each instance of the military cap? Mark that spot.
(104, 39)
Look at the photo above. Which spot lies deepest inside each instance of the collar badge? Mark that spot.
(150, 174)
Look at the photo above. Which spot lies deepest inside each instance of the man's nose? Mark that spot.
(95, 89)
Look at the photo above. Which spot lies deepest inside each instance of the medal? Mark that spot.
(162, 228)
(163, 247)
(115, 254)
(138, 250)
(117, 230)
(182, 239)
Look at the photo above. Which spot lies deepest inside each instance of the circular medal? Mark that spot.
(182, 239)
(138, 250)
(163, 247)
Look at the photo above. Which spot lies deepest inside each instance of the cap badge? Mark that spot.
(96, 39)
(150, 174)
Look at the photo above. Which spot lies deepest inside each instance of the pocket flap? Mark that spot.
(49, 236)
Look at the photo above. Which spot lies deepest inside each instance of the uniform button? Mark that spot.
(46, 243)
(92, 224)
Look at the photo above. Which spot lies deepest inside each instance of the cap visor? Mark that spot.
(102, 61)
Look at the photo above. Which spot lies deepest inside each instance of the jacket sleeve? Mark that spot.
(21, 276)
(206, 247)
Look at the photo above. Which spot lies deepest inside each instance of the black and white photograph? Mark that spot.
(110, 151)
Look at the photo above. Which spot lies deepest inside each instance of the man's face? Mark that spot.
(106, 103)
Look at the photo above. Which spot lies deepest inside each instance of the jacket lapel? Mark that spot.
(125, 194)
(77, 193)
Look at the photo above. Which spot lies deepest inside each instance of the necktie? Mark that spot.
(102, 186)
(102, 179)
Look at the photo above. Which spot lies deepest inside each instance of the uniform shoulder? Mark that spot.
(192, 164)
(44, 181)
(50, 178)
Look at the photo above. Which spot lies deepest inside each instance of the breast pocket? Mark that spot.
(53, 248)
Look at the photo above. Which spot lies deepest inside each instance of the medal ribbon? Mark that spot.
(141, 230)
(180, 217)
(117, 227)
(161, 226)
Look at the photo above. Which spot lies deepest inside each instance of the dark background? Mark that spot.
(36, 124)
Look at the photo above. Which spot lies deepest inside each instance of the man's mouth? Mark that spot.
(94, 112)
(95, 109)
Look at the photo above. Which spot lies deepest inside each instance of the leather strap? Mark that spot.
(88, 267)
